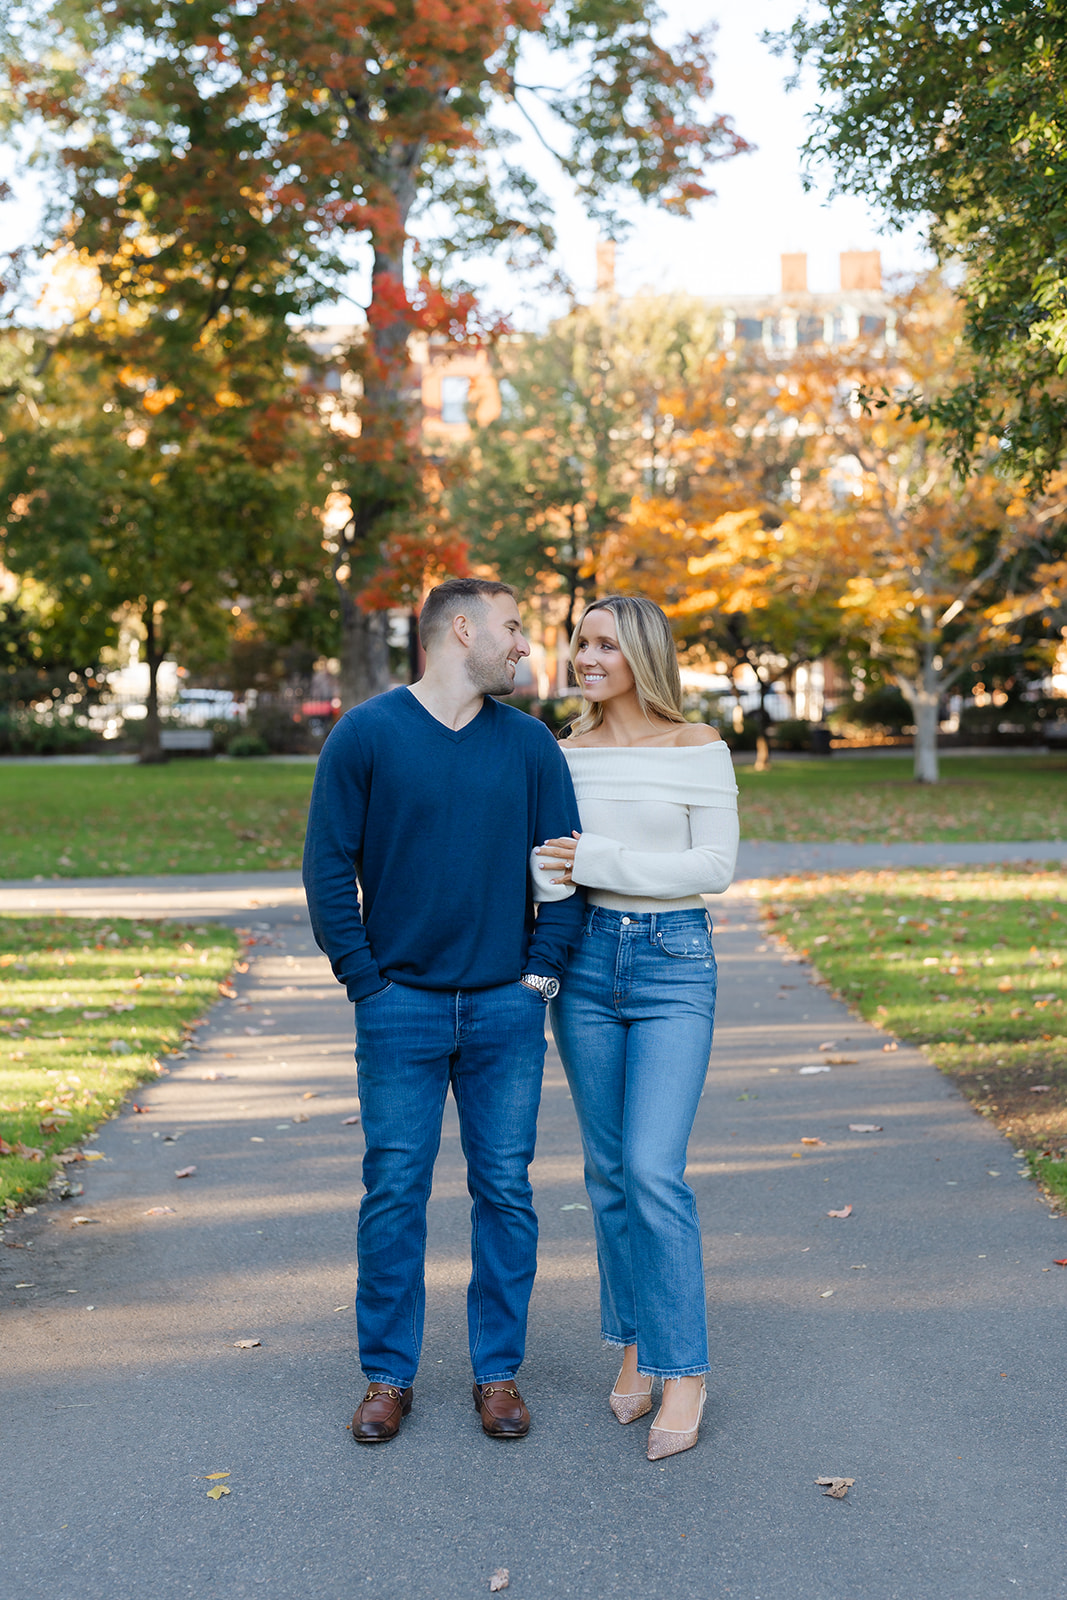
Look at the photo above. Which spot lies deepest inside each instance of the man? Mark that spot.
(434, 796)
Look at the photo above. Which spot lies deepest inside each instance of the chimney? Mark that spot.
(795, 273)
(861, 269)
(605, 266)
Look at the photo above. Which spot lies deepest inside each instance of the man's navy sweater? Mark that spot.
(438, 825)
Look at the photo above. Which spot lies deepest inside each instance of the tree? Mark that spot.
(135, 507)
(584, 426)
(222, 161)
(945, 567)
(955, 113)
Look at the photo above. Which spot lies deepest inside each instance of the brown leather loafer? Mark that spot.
(380, 1413)
(503, 1414)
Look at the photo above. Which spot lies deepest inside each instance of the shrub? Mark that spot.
(247, 744)
(24, 733)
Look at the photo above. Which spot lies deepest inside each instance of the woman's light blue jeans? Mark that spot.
(633, 1023)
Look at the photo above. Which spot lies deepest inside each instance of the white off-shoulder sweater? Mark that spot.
(659, 827)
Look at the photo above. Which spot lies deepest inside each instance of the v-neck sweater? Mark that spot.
(659, 826)
(418, 838)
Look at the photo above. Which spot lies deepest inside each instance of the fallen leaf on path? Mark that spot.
(94, 1155)
(209, 1477)
(813, 1141)
(311, 1094)
(837, 1487)
(892, 1045)
(349, 1122)
(217, 1492)
(843, 1061)
(499, 1580)
(864, 1127)
(301, 1116)
(226, 992)
(245, 1344)
(158, 1211)
(805, 1072)
(83, 1222)
(574, 1207)
(213, 1077)
(1062, 1263)
(826, 1294)
(831, 1044)
(846, 1212)
(185, 1172)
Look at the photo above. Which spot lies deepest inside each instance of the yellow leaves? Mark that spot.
(218, 1491)
(227, 398)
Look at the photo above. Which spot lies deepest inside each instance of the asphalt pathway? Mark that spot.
(916, 1346)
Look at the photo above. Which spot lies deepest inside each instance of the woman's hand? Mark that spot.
(559, 857)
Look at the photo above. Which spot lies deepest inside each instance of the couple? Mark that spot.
(458, 816)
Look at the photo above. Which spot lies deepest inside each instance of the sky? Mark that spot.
(731, 244)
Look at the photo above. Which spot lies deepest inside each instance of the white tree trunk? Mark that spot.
(926, 707)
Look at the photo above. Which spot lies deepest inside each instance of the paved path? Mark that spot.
(928, 1374)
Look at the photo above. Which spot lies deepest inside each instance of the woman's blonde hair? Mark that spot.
(647, 644)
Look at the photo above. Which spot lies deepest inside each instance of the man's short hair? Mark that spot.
(448, 599)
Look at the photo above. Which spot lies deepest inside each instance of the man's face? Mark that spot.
(497, 645)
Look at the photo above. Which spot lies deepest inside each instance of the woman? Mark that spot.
(634, 1018)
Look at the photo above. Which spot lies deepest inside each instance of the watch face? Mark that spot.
(551, 988)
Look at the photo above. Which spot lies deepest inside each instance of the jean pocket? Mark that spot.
(369, 999)
(535, 994)
(693, 944)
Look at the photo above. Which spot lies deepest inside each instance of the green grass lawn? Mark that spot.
(87, 1007)
(186, 816)
(970, 964)
(1000, 797)
(205, 816)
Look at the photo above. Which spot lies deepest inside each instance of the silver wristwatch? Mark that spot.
(547, 988)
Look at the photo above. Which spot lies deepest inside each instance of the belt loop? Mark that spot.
(652, 928)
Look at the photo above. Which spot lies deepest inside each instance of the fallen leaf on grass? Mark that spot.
(29, 1152)
(499, 1580)
(813, 1141)
(864, 1127)
(158, 1211)
(836, 1488)
(846, 1212)
(245, 1344)
(1040, 1088)
(349, 1122)
(209, 1477)
(218, 1491)
(185, 1172)
(1004, 984)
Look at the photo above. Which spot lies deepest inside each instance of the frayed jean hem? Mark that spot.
(617, 1344)
(671, 1372)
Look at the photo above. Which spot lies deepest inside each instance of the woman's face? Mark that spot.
(602, 669)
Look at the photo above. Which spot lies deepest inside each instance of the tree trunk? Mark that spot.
(364, 652)
(926, 707)
(154, 650)
(763, 745)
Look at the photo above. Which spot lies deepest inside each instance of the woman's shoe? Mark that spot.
(628, 1407)
(672, 1441)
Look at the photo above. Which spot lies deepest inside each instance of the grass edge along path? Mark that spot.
(89, 1008)
(969, 964)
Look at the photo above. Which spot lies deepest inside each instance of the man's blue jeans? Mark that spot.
(411, 1044)
(633, 1023)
